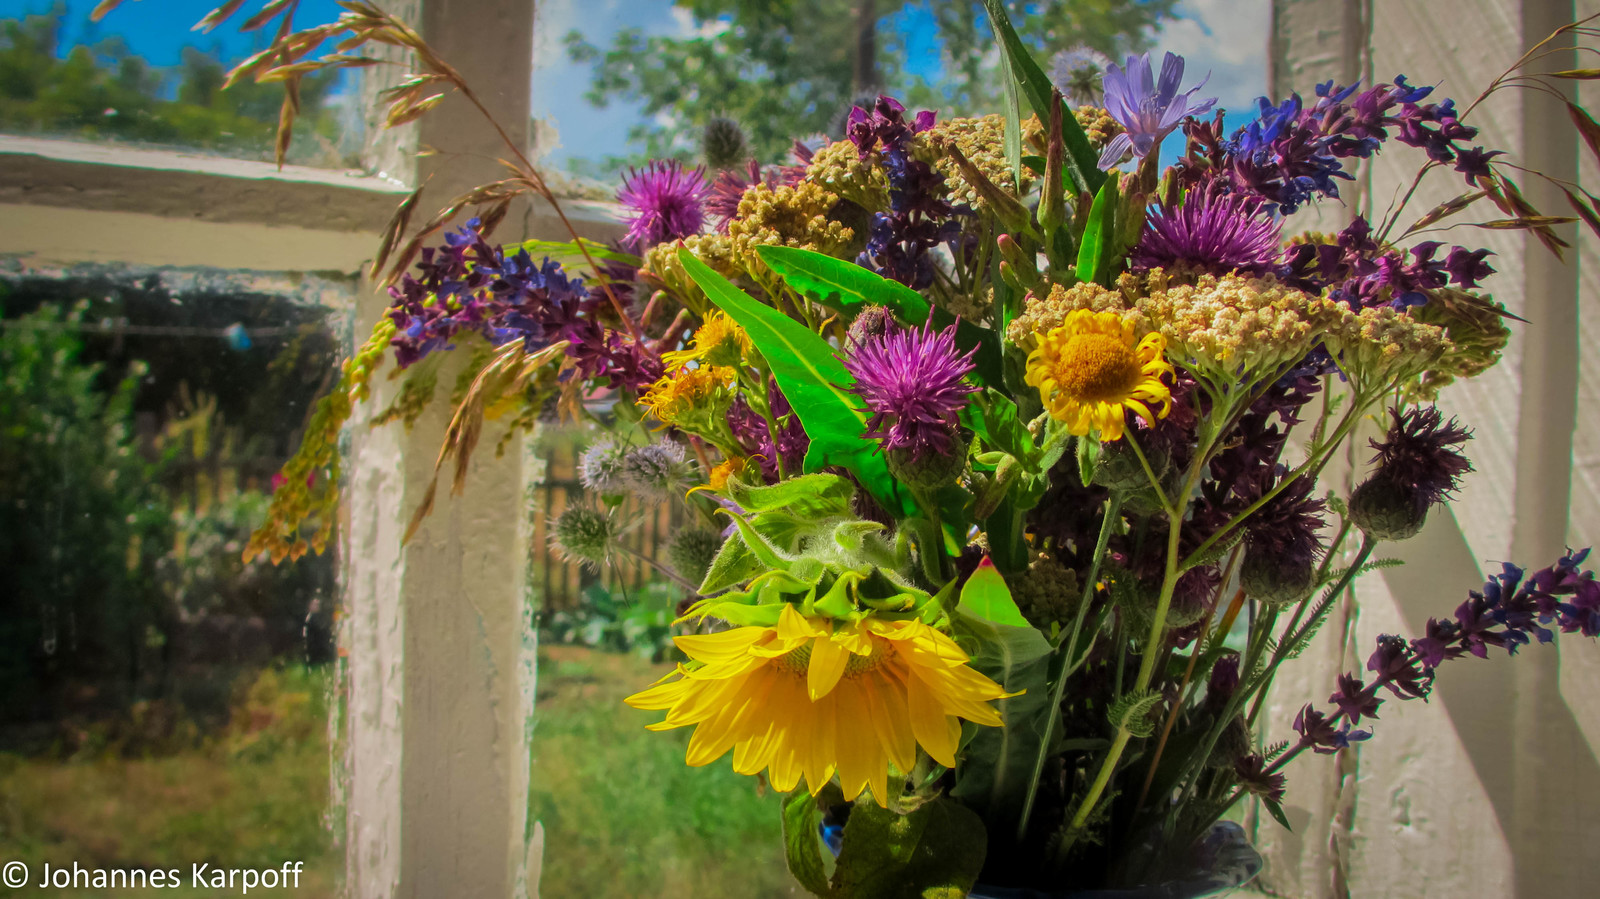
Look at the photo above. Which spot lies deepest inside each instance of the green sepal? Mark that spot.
(1088, 459)
(802, 841)
(733, 564)
(934, 852)
(986, 596)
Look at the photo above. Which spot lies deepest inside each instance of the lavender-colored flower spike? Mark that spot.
(667, 201)
(1148, 109)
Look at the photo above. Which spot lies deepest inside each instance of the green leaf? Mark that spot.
(1099, 245)
(848, 287)
(815, 383)
(1088, 459)
(1275, 809)
(568, 253)
(1013, 115)
(1084, 162)
(802, 841)
(1131, 712)
(998, 762)
(985, 595)
(935, 852)
(811, 494)
(733, 564)
(994, 417)
(842, 285)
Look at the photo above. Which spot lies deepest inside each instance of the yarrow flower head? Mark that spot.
(1093, 369)
(1148, 109)
(667, 201)
(1213, 231)
(911, 381)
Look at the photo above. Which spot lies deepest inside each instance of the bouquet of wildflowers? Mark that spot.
(1003, 445)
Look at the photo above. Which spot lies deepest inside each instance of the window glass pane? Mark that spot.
(140, 77)
(166, 702)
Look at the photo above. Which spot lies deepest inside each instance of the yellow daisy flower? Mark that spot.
(682, 392)
(1092, 368)
(719, 341)
(811, 697)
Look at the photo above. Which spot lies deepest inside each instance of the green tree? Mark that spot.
(82, 519)
(108, 92)
(784, 68)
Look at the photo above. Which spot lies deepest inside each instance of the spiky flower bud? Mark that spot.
(1234, 743)
(1275, 579)
(871, 323)
(659, 471)
(1047, 592)
(600, 467)
(692, 551)
(928, 470)
(582, 534)
(1418, 465)
(1119, 468)
(722, 144)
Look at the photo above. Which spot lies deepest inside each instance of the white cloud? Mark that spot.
(1227, 38)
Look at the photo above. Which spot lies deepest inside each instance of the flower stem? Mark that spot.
(1068, 664)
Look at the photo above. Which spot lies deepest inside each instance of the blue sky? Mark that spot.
(1226, 38)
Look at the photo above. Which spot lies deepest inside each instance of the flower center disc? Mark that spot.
(798, 662)
(1096, 367)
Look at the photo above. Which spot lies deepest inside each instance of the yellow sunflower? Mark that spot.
(719, 341)
(811, 697)
(1093, 367)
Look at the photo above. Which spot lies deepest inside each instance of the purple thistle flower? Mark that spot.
(1148, 109)
(911, 381)
(1211, 230)
(1255, 777)
(667, 200)
(1419, 453)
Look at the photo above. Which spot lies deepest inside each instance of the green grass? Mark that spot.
(251, 796)
(623, 815)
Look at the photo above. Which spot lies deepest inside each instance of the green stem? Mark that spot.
(1147, 661)
(1068, 664)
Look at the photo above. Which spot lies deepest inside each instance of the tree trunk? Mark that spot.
(866, 80)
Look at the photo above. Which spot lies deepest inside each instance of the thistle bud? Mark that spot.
(692, 551)
(582, 534)
(873, 321)
(923, 469)
(1276, 579)
(1119, 469)
(1387, 510)
(722, 144)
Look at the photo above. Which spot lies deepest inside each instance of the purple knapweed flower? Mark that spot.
(667, 201)
(1148, 109)
(1213, 231)
(912, 381)
(1420, 453)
